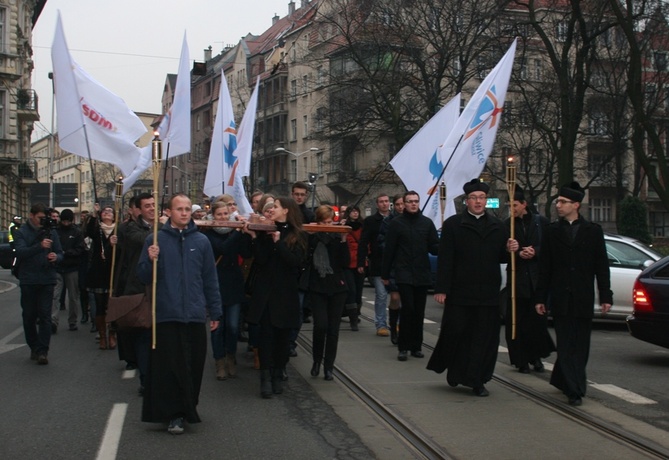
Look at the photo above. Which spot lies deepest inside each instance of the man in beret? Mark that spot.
(473, 244)
(573, 255)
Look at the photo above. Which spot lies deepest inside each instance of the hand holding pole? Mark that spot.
(156, 154)
(511, 188)
(118, 198)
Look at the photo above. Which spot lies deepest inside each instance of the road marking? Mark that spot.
(5, 346)
(622, 393)
(109, 445)
(5, 340)
(129, 374)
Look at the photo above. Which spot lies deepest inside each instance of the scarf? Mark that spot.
(322, 260)
(107, 229)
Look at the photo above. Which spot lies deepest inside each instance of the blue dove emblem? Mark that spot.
(229, 149)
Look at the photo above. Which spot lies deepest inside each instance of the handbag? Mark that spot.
(130, 311)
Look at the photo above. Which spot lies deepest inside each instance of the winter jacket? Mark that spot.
(409, 239)
(74, 248)
(34, 268)
(369, 246)
(187, 284)
(227, 249)
(529, 230)
(338, 256)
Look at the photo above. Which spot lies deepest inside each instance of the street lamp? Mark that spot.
(297, 155)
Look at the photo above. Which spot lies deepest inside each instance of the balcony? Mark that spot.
(26, 105)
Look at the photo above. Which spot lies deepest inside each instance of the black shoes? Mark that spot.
(524, 369)
(481, 391)
(402, 356)
(575, 401)
(73, 327)
(417, 354)
(327, 374)
(538, 366)
(176, 426)
(84, 318)
(315, 369)
(42, 359)
(393, 335)
(292, 352)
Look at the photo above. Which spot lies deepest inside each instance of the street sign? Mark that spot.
(492, 203)
(64, 195)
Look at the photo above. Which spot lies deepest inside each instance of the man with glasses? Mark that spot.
(473, 244)
(573, 256)
(300, 192)
(410, 237)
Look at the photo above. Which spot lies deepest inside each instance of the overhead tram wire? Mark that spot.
(112, 53)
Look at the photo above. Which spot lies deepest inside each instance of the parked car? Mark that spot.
(650, 320)
(627, 257)
(6, 256)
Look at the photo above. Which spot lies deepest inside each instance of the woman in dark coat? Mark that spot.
(275, 304)
(532, 341)
(327, 290)
(100, 229)
(228, 245)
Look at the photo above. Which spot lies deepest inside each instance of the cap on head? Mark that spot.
(67, 215)
(196, 207)
(475, 185)
(573, 191)
(519, 194)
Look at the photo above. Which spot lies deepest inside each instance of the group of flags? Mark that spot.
(450, 149)
(96, 124)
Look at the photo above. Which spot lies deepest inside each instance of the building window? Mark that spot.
(537, 69)
(305, 84)
(319, 163)
(659, 223)
(601, 166)
(3, 112)
(305, 125)
(562, 31)
(320, 76)
(660, 61)
(598, 123)
(600, 210)
(320, 118)
(198, 123)
(293, 129)
(293, 88)
(3, 19)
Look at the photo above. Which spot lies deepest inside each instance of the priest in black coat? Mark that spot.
(573, 256)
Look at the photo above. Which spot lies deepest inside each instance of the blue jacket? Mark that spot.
(34, 268)
(187, 282)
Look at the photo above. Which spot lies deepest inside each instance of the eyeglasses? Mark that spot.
(232, 203)
(561, 201)
(411, 201)
(477, 198)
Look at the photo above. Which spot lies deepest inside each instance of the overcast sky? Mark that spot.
(130, 45)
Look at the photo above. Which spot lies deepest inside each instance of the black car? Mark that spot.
(6, 255)
(650, 320)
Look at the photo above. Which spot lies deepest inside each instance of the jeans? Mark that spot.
(36, 304)
(224, 338)
(380, 302)
(71, 282)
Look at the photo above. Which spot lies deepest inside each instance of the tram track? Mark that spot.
(425, 447)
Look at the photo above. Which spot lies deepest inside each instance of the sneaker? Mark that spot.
(382, 332)
(176, 426)
(73, 327)
(42, 359)
(402, 356)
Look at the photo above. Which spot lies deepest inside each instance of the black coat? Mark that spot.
(99, 267)
(567, 269)
(275, 284)
(529, 231)
(74, 248)
(470, 253)
(228, 248)
(131, 237)
(409, 239)
(369, 244)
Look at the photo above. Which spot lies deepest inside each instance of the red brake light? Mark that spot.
(640, 298)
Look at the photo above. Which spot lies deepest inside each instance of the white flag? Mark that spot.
(470, 142)
(223, 139)
(228, 160)
(418, 165)
(174, 128)
(91, 119)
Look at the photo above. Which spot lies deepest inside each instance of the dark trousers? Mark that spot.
(36, 302)
(532, 341)
(413, 312)
(573, 349)
(327, 311)
(354, 283)
(272, 344)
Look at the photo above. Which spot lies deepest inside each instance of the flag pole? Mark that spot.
(156, 154)
(443, 170)
(511, 188)
(162, 200)
(90, 161)
(117, 210)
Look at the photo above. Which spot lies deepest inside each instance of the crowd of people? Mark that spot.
(234, 282)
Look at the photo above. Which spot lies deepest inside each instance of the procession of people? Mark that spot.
(222, 274)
